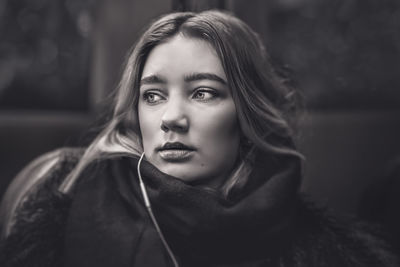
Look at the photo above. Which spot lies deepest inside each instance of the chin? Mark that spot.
(179, 172)
(184, 173)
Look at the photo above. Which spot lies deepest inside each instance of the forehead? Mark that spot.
(183, 55)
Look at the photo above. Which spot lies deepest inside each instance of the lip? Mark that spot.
(174, 146)
(175, 155)
(175, 152)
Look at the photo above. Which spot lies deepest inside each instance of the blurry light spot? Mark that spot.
(84, 23)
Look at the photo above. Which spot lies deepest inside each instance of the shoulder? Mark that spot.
(46, 170)
(34, 211)
(321, 239)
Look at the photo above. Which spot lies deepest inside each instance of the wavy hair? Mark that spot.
(263, 101)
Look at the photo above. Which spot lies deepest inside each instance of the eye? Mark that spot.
(152, 97)
(203, 94)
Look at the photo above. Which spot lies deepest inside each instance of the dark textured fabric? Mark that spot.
(102, 230)
(36, 238)
(105, 224)
(108, 217)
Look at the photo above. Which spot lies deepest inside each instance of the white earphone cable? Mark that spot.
(150, 211)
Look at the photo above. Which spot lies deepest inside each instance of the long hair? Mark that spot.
(263, 102)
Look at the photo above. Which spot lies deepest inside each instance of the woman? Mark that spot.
(197, 167)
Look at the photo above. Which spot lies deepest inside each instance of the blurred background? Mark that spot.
(59, 59)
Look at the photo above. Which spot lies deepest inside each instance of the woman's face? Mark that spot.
(187, 116)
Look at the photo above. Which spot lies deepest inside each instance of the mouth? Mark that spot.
(175, 152)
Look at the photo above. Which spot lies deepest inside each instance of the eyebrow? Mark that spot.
(204, 76)
(152, 79)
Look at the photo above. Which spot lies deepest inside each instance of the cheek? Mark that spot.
(148, 123)
(221, 133)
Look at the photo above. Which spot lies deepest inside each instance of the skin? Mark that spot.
(184, 97)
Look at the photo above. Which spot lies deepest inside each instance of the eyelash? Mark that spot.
(146, 95)
(212, 92)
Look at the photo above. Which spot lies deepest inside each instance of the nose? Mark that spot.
(174, 118)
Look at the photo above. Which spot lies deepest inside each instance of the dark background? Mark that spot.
(59, 59)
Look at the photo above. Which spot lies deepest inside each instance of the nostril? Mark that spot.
(177, 125)
(164, 127)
